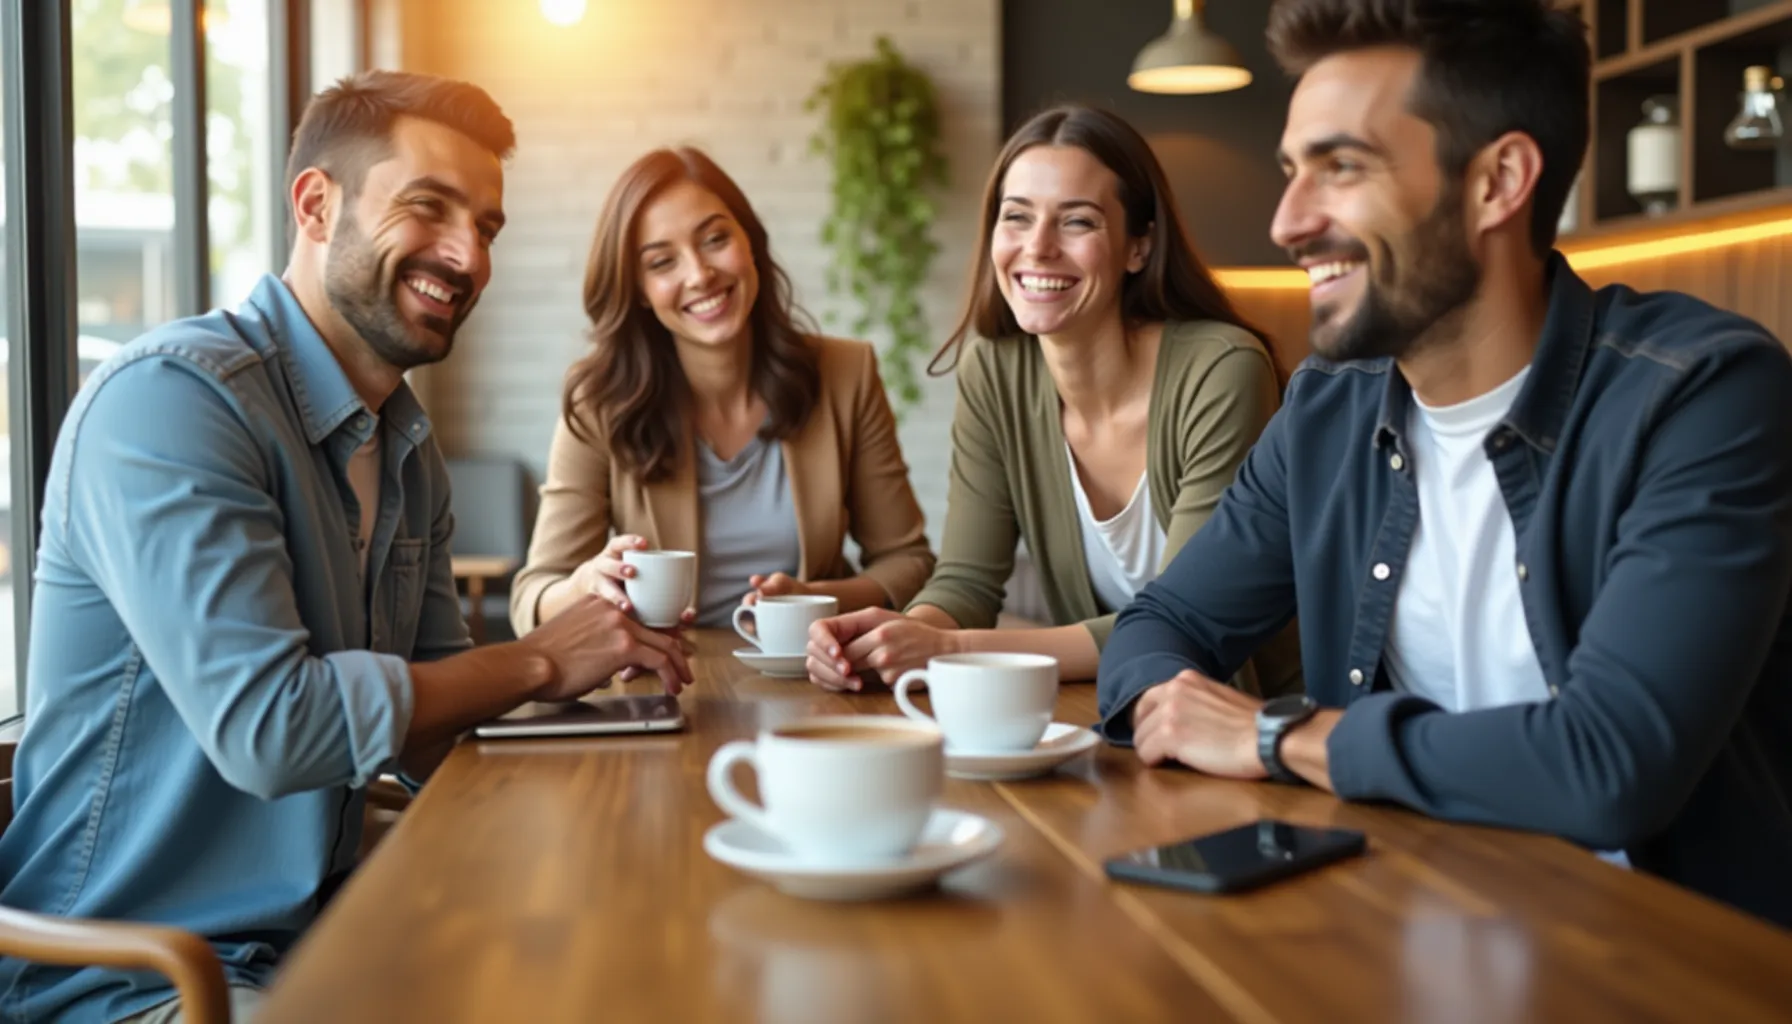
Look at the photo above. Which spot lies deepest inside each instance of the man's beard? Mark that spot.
(368, 300)
(1395, 311)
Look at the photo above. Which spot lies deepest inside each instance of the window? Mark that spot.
(121, 103)
(9, 580)
(124, 170)
(239, 147)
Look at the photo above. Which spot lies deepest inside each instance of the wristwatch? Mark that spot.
(1274, 719)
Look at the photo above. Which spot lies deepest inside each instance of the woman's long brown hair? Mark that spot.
(632, 388)
(1173, 285)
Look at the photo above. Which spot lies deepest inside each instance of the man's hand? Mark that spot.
(593, 639)
(1199, 723)
(842, 649)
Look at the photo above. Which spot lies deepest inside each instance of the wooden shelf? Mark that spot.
(1691, 51)
(1712, 215)
(1705, 35)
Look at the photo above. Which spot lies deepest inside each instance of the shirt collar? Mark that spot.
(1540, 409)
(325, 397)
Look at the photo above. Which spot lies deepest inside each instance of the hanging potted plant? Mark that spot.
(881, 130)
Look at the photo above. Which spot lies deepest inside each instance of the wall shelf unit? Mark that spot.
(1692, 52)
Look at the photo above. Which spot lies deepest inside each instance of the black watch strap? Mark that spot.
(1273, 723)
(1269, 751)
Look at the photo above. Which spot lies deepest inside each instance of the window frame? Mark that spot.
(40, 276)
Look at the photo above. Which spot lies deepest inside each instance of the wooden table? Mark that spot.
(476, 570)
(542, 880)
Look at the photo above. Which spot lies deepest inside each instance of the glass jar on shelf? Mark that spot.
(1757, 125)
(1652, 175)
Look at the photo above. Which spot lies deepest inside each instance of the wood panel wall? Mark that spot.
(1751, 278)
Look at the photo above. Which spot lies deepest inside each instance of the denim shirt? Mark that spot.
(1647, 467)
(211, 683)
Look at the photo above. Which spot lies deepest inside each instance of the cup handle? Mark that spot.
(909, 678)
(747, 609)
(721, 784)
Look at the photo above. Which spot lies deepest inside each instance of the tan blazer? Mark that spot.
(846, 473)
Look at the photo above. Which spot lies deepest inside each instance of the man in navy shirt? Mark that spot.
(1540, 537)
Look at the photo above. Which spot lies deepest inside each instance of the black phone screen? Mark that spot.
(1237, 858)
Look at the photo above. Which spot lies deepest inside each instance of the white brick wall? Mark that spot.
(727, 75)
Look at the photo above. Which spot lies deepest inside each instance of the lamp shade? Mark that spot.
(1188, 58)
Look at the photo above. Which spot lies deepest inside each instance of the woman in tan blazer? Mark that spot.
(705, 420)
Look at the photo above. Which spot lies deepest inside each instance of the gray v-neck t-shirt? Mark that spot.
(749, 525)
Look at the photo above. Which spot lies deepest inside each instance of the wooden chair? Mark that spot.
(182, 957)
(386, 801)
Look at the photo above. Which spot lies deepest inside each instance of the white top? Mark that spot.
(1459, 637)
(1123, 552)
(364, 477)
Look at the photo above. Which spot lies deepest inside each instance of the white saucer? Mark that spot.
(778, 666)
(1061, 742)
(950, 840)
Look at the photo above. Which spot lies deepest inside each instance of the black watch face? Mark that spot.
(1291, 706)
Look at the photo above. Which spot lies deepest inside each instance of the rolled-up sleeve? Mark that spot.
(171, 506)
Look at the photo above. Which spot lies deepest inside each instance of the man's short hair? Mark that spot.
(1488, 67)
(347, 128)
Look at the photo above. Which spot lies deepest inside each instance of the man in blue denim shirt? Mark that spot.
(1539, 537)
(245, 609)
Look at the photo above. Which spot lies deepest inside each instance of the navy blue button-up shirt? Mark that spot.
(1647, 467)
(212, 679)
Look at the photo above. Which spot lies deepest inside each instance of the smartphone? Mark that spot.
(593, 716)
(1237, 859)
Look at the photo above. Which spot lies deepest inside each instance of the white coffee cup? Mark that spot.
(663, 586)
(986, 703)
(781, 624)
(843, 790)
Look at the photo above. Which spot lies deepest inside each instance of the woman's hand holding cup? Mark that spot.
(607, 574)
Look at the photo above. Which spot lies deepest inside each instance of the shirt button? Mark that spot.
(1523, 573)
(1500, 440)
(1356, 677)
(1554, 690)
(1381, 571)
(360, 423)
(416, 428)
(1396, 462)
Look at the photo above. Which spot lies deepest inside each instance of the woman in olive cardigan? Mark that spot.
(1101, 425)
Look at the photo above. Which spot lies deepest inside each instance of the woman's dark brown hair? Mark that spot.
(1172, 286)
(632, 386)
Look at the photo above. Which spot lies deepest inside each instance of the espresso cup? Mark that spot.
(837, 791)
(986, 703)
(663, 586)
(781, 624)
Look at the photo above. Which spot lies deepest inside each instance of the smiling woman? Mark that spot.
(1107, 393)
(708, 418)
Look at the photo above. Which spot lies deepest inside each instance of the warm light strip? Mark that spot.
(1678, 245)
(1256, 278)
(1261, 278)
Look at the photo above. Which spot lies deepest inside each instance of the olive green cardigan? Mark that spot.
(1214, 391)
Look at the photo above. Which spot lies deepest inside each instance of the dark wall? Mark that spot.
(1219, 149)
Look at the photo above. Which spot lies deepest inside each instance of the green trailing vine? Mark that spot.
(881, 129)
